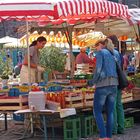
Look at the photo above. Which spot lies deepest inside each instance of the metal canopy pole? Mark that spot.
(138, 34)
(68, 33)
(28, 52)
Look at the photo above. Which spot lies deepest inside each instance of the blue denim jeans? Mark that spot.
(104, 96)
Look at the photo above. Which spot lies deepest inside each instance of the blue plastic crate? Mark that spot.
(23, 93)
(42, 83)
(54, 88)
(18, 117)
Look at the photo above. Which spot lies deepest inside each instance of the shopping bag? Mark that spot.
(122, 79)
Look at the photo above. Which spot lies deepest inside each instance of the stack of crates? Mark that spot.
(81, 126)
(72, 128)
(15, 92)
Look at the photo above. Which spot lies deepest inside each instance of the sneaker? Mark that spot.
(120, 132)
(114, 133)
(107, 139)
(101, 139)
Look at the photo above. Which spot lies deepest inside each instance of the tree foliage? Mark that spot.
(52, 59)
(5, 68)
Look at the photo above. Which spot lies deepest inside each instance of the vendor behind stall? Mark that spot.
(82, 57)
(34, 62)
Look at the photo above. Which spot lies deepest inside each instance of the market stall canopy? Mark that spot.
(111, 26)
(26, 9)
(77, 11)
(14, 45)
(135, 16)
(8, 39)
(60, 11)
(117, 27)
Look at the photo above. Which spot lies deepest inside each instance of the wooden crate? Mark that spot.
(136, 93)
(133, 95)
(14, 103)
(127, 97)
(74, 100)
(60, 75)
(83, 67)
(88, 100)
(23, 88)
(91, 68)
(53, 105)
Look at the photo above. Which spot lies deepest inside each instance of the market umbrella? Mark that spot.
(8, 39)
(14, 45)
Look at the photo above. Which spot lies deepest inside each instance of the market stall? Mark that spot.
(65, 14)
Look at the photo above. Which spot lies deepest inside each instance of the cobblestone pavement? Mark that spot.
(16, 131)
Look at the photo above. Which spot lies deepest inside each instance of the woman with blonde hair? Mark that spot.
(106, 81)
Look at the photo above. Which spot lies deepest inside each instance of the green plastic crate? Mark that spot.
(95, 129)
(87, 126)
(129, 122)
(72, 128)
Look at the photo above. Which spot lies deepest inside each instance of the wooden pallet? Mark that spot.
(14, 103)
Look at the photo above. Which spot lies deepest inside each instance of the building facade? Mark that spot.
(130, 3)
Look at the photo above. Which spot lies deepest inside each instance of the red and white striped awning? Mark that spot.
(134, 16)
(73, 11)
(77, 7)
(61, 10)
(20, 9)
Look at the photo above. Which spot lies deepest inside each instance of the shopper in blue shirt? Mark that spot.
(106, 81)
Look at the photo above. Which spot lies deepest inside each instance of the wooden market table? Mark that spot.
(46, 114)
